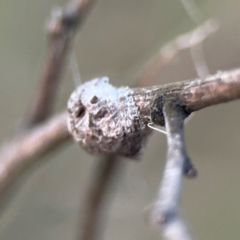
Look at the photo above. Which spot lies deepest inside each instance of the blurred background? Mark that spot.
(117, 39)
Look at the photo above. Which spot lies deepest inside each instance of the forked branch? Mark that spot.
(19, 153)
(23, 150)
(95, 205)
(192, 95)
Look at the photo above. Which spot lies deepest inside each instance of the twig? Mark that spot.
(104, 119)
(94, 197)
(98, 190)
(84, 120)
(95, 202)
(21, 152)
(61, 31)
(192, 95)
(18, 154)
(196, 51)
(165, 213)
(171, 49)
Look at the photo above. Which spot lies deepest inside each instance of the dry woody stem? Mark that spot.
(189, 96)
(154, 104)
(97, 195)
(192, 95)
(62, 27)
(165, 213)
(19, 153)
(169, 51)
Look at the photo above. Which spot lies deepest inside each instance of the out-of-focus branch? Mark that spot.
(19, 153)
(151, 101)
(62, 27)
(97, 192)
(99, 186)
(168, 52)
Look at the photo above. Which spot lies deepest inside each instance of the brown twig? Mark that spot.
(167, 53)
(192, 95)
(19, 153)
(97, 192)
(94, 200)
(61, 28)
(113, 121)
(165, 213)
(221, 87)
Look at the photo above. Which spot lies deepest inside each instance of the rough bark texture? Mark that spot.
(17, 154)
(192, 95)
(104, 119)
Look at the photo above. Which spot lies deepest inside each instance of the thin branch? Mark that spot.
(19, 153)
(165, 213)
(97, 194)
(89, 230)
(168, 52)
(61, 28)
(191, 95)
(196, 51)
